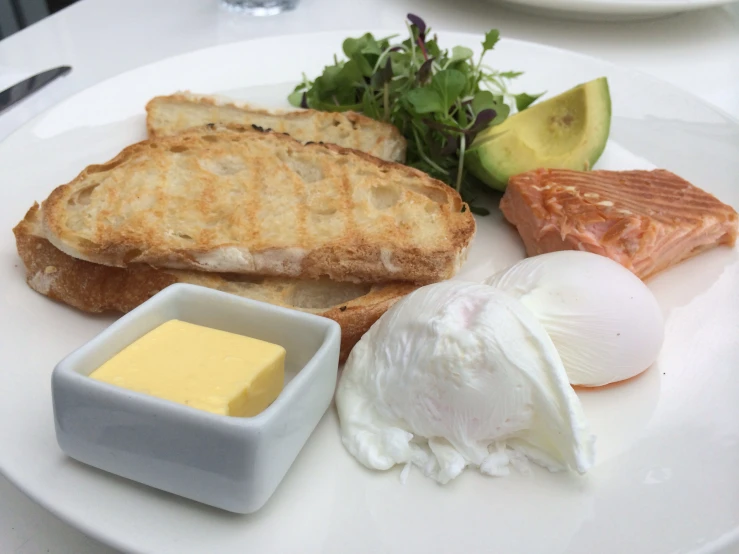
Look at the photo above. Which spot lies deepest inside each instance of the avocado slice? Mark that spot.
(568, 131)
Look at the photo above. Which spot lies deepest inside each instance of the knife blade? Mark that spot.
(25, 88)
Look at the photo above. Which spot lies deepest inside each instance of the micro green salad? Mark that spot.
(438, 99)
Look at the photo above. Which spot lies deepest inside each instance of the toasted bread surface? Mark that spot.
(97, 288)
(234, 199)
(170, 115)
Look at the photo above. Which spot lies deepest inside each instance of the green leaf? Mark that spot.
(295, 98)
(432, 113)
(460, 53)
(383, 75)
(369, 105)
(384, 42)
(327, 106)
(503, 111)
(328, 80)
(398, 87)
(303, 85)
(349, 75)
(372, 48)
(510, 74)
(432, 49)
(465, 67)
(425, 100)
(449, 83)
(524, 100)
(366, 44)
(351, 46)
(484, 100)
(462, 118)
(363, 64)
(491, 39)
(400, 63)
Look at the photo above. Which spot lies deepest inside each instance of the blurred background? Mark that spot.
(18, 14)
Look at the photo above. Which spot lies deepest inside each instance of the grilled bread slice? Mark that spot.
(238, 200)
(98, 288)
(170, 115)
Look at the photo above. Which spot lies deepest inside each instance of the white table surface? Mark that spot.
(698, 52)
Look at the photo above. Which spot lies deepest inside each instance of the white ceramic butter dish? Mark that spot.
(228, 462)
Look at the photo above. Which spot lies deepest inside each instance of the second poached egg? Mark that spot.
(604, 321)
(460, 374)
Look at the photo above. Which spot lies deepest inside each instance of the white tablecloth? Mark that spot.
(698, 52)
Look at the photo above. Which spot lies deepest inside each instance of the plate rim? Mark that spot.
(381, 32)
(626, 8)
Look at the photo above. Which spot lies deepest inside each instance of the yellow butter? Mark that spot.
(205, 368)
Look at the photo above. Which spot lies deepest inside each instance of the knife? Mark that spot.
(25, 88)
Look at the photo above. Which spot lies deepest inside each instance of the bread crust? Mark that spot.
(97, 288)
(175, 113)
(353, 256)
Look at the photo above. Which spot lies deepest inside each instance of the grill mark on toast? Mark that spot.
(96, 288)
(301, 210)
(255, 205)
(169, 115)
(355, 256)
(347, 202)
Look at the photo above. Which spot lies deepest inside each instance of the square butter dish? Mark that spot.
(229, 462)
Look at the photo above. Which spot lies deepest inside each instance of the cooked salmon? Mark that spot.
(645, 220)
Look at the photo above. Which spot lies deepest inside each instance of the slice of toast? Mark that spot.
(170, 115)
(98, 288)
(240, 200)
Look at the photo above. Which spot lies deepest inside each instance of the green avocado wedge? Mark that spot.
(568, 131)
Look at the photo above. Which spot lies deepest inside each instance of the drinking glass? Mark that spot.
(259, 7)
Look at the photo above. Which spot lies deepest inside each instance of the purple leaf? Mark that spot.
(418, 22)
(483, 119)
(441, 127)
(424, 72)
(383, 75)
(444, 146)
(451, 145)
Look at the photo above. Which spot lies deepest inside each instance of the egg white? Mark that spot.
(460, 374)
(604, 321)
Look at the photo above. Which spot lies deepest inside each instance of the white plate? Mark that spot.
(614, 10)
(668, 441)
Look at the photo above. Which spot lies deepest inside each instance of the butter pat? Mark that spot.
(212, 370)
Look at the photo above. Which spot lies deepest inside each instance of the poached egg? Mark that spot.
(604, 321)
(460, 374)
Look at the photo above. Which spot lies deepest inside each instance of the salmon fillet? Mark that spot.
(645, 220)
